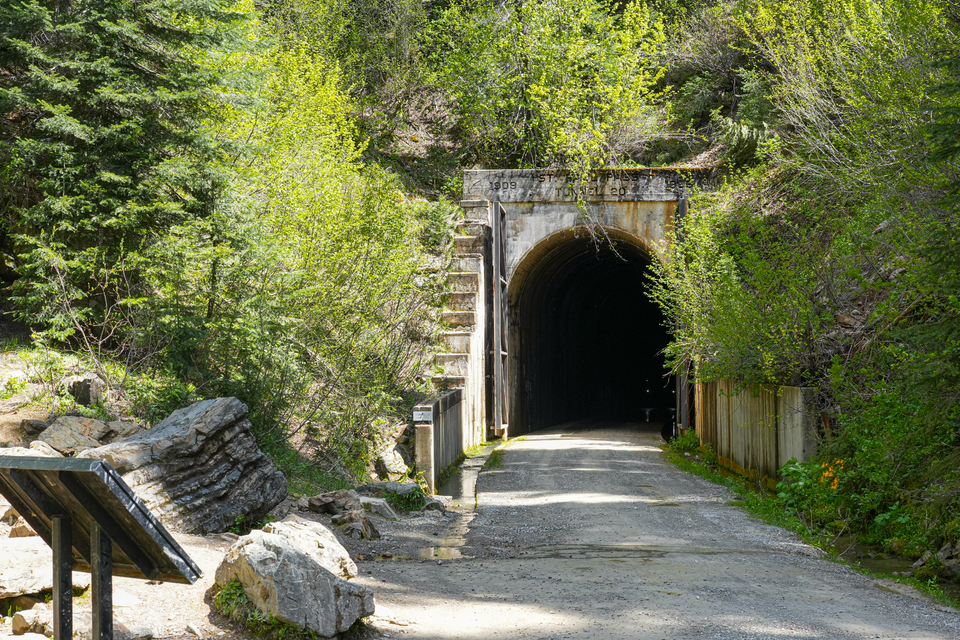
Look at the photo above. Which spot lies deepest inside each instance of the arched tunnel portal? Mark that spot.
(585, 339)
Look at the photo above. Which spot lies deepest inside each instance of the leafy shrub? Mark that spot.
(412, 501)
(809, 492)
(689, 442)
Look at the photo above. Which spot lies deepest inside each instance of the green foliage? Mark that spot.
(851, 84)
(828, 258)
(241, 527)
(688, 442)
(232, 601)
(944, 131)
(328, 321)
(539, 84)
(809, 492)
(412, 501)
(102, 146)
(736, 286)
(495, 459)
(12, 387)
(376, 44)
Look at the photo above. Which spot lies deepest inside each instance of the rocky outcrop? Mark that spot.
(318, 542)
(72, 434)
(199, 469)
(333, 502)
(390, 464)
(378, 506)
(87, 388)
(356, 524)
(283, 581)
(25, 568)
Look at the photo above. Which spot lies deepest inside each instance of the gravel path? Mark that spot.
(590, 533)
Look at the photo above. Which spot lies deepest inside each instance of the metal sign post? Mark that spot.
(93, 522)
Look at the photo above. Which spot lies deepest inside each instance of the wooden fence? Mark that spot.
(754, 429)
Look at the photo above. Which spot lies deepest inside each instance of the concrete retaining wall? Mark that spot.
(441, 439)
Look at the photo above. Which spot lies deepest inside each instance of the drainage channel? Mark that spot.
(461, 486)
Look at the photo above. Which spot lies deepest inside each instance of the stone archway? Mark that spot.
(521, 247)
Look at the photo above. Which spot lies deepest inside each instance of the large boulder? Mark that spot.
(199, 469)
(283, 581)
(318, 542)
(72, 434)
(25, 568)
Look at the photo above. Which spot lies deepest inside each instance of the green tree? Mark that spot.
(102, 145)
(537, 83)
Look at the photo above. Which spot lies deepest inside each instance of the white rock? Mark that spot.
(41, 448)
(25, 567)
(35, 620)
(379, 506)
(123, 599)
(390, 463)
(20, 529)
(282, 581)
(318, 542)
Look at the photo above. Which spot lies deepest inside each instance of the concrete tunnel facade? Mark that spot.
(583, 340)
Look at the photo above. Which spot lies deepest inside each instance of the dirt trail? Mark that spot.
(590, 533)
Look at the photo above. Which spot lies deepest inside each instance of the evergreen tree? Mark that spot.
(101, 143)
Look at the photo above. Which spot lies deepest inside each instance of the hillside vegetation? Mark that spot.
(203, 197)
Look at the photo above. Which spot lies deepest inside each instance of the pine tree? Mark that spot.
(101, 139)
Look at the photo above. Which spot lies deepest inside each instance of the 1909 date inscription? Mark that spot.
(557, 186)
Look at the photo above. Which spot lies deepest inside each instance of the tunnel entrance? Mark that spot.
(586, 341)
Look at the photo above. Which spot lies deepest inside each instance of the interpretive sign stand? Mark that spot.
(93, 522)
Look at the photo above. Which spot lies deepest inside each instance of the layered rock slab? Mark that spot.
(199, 469)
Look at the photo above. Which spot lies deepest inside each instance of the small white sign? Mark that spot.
(423, 415)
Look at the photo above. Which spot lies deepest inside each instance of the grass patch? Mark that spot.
(495, 459)
(232, 602)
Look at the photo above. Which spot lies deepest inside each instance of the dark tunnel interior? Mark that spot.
(590, 339)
